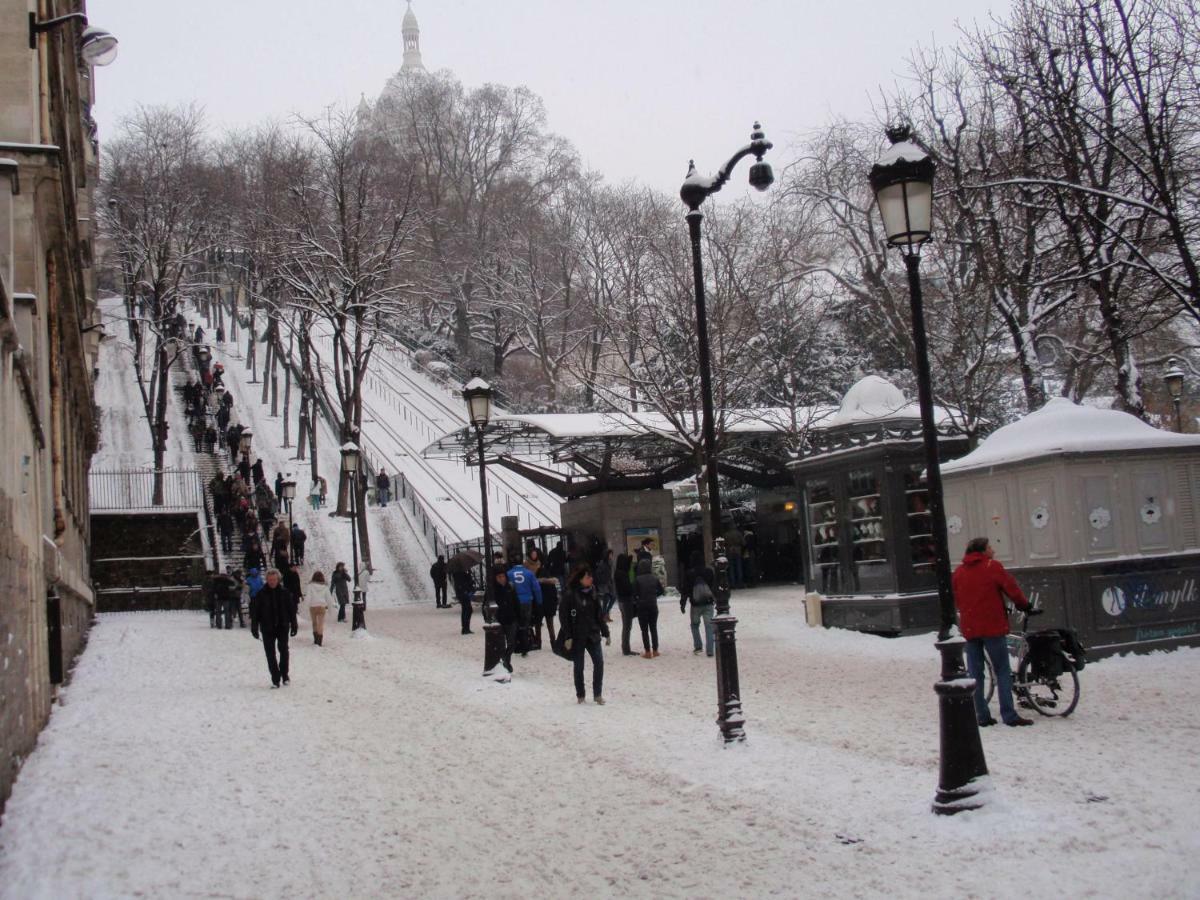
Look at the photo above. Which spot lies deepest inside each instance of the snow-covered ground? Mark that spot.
(389, 767)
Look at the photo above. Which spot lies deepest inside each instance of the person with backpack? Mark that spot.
(339, 586)
(699, 582)
(437, 572)
(647, 588)
(529, 591)
(582, 627)
(623, 587)
(299, 539)
(224, 590)
(383, 488)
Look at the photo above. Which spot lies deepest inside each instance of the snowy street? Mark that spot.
(389, 767)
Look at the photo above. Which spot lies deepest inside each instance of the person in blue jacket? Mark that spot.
(525, 583)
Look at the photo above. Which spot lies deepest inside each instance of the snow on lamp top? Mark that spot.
(1065, 427)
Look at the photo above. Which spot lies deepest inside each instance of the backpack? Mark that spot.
(559, 644)
(702, 594)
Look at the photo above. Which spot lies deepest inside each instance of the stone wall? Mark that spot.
(144, 561)
(24, 678)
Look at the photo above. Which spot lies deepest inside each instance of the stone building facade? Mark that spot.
(48, 348)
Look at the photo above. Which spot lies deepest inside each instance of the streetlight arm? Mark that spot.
(696, 187)
(36, 27)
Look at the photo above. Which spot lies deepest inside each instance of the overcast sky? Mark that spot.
(637, 87)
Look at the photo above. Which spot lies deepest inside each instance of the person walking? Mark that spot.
(291, 583)
(318, 603)
(734, 541)
(647, 588)
(225, 529)
(699, 582)
(299, 539)
(529, 592)
(623, 588)
(383, 488)
(437, 572)
(273, 616)
(281, 539)
(507, 612)
(314, 496)
(339, 586)
(980, 586)
(604, 584)
(464, 587)
(582, 627)
(226, 593)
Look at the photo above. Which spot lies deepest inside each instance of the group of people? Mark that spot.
(526, 593)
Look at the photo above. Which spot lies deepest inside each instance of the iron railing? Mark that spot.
(135, 489)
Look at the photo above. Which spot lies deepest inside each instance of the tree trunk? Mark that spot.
(268, 368)
(287, 399)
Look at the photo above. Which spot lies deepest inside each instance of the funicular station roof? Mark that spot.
(575, 454)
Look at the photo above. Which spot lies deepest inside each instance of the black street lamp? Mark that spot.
(902, 180)
(244, 439)
(1173, 378)
(479, 394)
(288, 493)
(696, 189)
(350, 464)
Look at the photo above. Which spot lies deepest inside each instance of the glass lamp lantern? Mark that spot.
(902, 180)
(478, 394)
(350, 456)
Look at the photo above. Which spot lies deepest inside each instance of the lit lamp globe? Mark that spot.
(289, 489)
(902, 180)
(1173, 378)
(97, 47)
(478, 394)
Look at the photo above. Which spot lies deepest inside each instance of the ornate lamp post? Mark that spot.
(244, 444)
(289, 494)
(696, 189)
(902, 180)
(1173, 378)
(479, 394)
(350, 464)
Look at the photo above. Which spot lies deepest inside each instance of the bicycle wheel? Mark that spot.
(1049, 696)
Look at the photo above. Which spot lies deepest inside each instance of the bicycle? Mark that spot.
(1047, 675)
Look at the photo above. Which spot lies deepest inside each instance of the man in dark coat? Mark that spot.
(226, 591)
(383, 488)
(438, 573)
(273, 615)
(464, 587)
(225, 528)
(980, 586)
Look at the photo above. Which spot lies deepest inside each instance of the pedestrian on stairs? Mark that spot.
(318, 603)
(225, 529)
(210, 439)
(299, 538)
(314, 496)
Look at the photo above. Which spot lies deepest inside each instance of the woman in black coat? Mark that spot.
(648, 589)
(582, 623)
(624, 589)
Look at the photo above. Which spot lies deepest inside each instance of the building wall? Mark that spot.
(47, 435)
(608, 514)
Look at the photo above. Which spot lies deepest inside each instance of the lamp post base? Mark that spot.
(493, 647)
(358, 617)
(962, 778)
(729, 698)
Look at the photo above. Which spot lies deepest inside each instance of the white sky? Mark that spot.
(637, 87)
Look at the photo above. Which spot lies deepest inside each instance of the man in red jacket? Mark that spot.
(980, 586)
